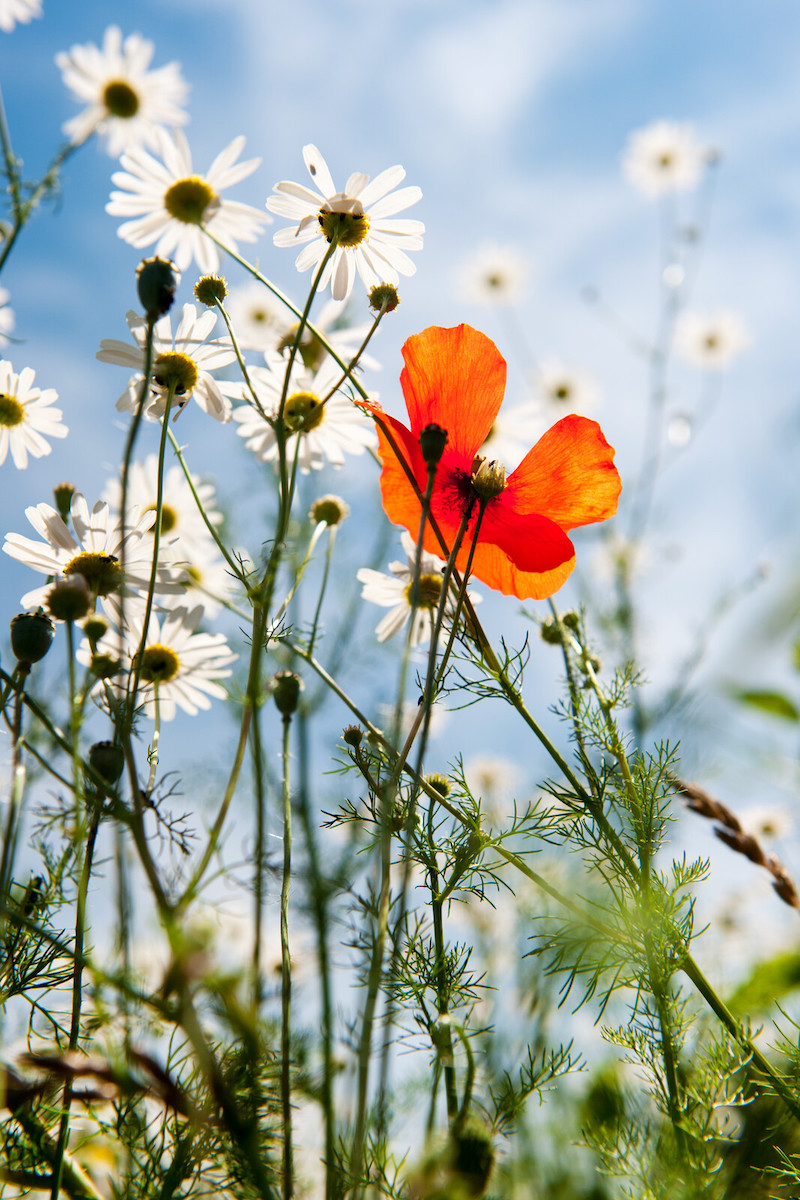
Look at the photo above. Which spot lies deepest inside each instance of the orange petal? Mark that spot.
(399, 498)
(493, 566)
(568, 476)
(455, 378)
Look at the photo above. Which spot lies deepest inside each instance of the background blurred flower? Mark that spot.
(710, 340)
(564, 389)
(126, 102)
(23, 11)
(6, 316)
(495, 275)
(664, 157)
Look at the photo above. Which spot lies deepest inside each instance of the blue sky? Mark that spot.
(511, 115)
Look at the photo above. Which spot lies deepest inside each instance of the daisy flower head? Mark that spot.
(361, 218)
(93, 548)
(663, 157)
(394, 592)
(183, 362)
(515, 527)
(166, 202)
(180, 667)
(711, 340)
(180, 516)
(7, 320)
(126, 102)
(22, 11)
(564, 389)
(494, 276)
(27, 416)
(324, 421)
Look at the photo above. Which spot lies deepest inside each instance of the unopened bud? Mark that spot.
(353, 735)
(211, 290)
(31, 636)
(69, 598)
(330, 510)
(157, 281)
(488, 477)
(107, 760)
(383, 296)
(286, 688)
(63, 493)
(432, 441)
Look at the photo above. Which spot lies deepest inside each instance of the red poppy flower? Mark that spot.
(455, 378)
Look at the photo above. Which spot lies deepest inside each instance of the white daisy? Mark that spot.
(18, 10)
(495, 275)
(93, 548)
(394, 592)
(565, 390)
(26, 416)
(180, 666)
(710, 340)
(190, 357)
(180, 516)
(208, 579)
(168, 203)
(370, 240)
(126, 101)
(326, 428)
(7, 320)
(664, 157)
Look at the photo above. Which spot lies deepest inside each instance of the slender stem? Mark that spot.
(286, 970)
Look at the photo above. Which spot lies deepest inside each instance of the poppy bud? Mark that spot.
(62, 494)
(286, 688)
(31, 636)
(432, 441)
(107, 760)
(157, 281)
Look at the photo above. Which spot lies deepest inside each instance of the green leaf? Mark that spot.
(770, 702)
(769, 982)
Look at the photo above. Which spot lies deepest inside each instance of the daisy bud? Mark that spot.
(286, 688)
(104, 666)
(383, 296)
(432, 441)
(550, 632)
(439, 783)
(69, 599)
(353, 735)
(31, 636)
(95, 628)
(211, 290)
(62, 494)
(329, 510)
(572, 620)
(488, 478)
(107, 760)
(157, 281)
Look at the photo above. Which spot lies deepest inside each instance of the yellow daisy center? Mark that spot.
(430, 589)
(11, 411)
(176, 369)
(190, 199)
(169, 517)
(102, 572)
(303, 412)
(351, 227)
(562, 391)
(120, 99)
(159, 664)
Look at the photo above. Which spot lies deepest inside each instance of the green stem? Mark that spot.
(286, 971)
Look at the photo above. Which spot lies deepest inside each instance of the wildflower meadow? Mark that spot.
(400, 695)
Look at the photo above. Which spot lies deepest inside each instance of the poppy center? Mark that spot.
(159, 664)
(177, 370)
(11, 411)
(191, 200)
(428, 592)
(102, 572)
(303, 412)
(120, 99)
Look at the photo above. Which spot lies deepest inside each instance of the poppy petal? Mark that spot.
(399, 498)
(454, 378)
(568, 476)
(492, 565)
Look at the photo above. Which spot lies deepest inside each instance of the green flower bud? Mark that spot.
(107, 760)
(62, 494)
(157, 281)
(210, 290)
(286, 688)
(353, 735)
(331, 510)
(31, 636)
(432, 441)
(69, 599)
(383, 296)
